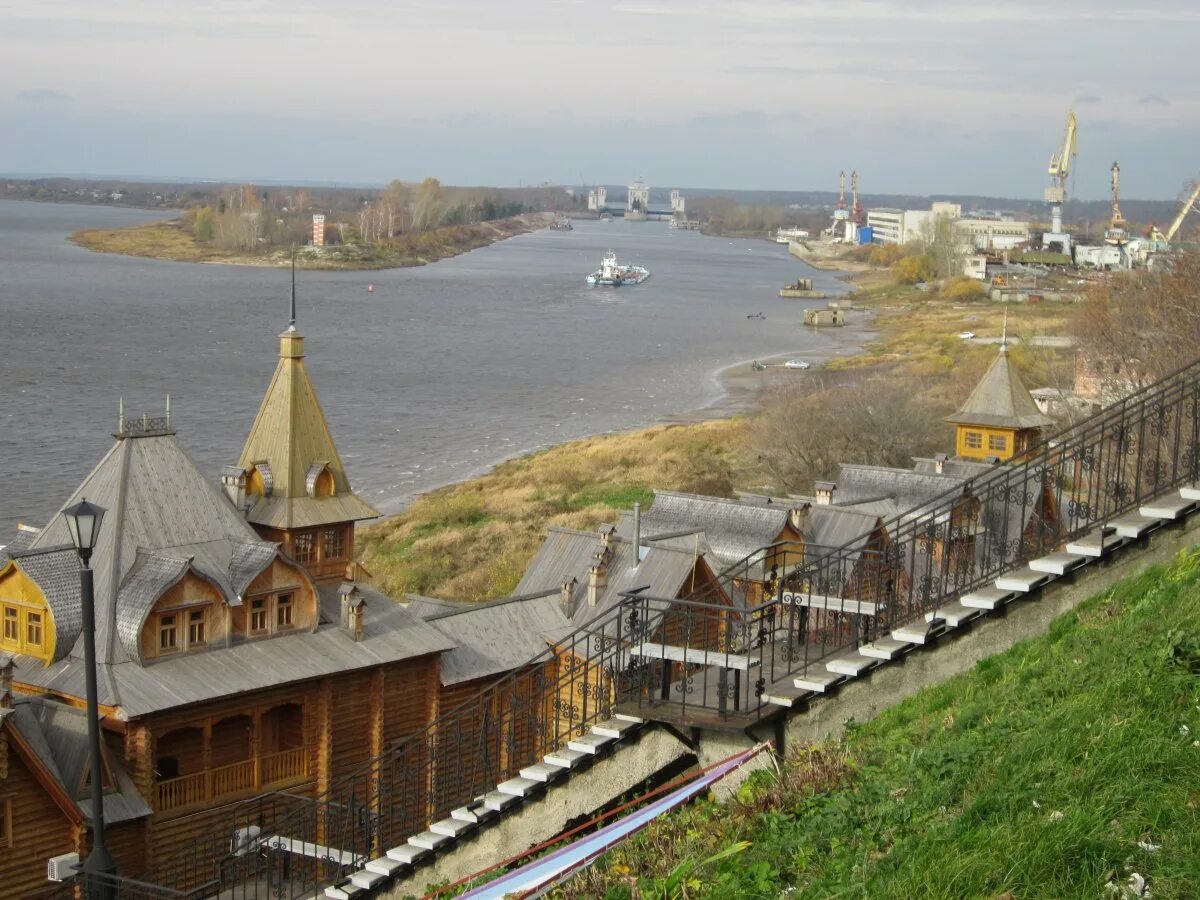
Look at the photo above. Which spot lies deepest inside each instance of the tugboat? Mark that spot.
(613, 274)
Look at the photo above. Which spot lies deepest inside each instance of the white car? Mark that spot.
(966, 335)
(797, 364)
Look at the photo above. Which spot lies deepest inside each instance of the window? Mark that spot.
(283, 611)
(11, 627)
(974, 440)
(168, 633)
(258, 615)
(304, 546)
(197, 627)
(335, 543)
(997, 442)
(33, 629)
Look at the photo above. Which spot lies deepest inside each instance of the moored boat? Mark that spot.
(613, 274)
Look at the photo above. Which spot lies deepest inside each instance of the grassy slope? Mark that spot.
(1035, 775)
(472, 541)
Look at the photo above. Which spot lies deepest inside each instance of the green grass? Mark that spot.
(1035, 775)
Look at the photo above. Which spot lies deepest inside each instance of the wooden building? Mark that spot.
(1000, 419)
(235, 656)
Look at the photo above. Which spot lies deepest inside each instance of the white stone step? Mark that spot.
(498, 801)
(1133, 525)
(543, 772)
(884, 648)
(1190, 492)
(385, 866)
(517, 787)
(471, 813)
(428, 840)
(452, 827)
(851, 665)
(1057, 563)
(1095, 544)
(616, 727)
(366, 879)
(1169, 508)
(987, 598)
(590, 743)
(407, 854)
(566, 758)
(347, 890)
(953, 614)
(785, 695)
(626, 717)
(912, 634)
(1022, 580)
(817, 681)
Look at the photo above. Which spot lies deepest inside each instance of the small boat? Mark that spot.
(613, 274)
(561, 223)
(370, 288)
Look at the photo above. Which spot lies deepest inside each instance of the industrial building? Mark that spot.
(902, 226)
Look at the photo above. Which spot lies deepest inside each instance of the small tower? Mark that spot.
(318, 232)
(1000, 418)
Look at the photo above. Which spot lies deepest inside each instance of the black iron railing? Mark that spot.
(780, 612)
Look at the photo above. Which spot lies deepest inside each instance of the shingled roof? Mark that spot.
(734, 530)
(291, 436)
(1001, 400)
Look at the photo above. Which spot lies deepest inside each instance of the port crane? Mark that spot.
(1160, 241)
(1116, 233)
(841, 190)
(856, 210)
(1056, 193)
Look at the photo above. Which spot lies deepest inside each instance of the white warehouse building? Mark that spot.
(903, 226)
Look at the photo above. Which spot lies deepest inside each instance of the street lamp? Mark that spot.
(83, 521)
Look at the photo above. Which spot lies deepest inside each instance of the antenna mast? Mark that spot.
(292, 321)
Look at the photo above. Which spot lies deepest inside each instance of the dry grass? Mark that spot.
(473, 540)
(158, 240)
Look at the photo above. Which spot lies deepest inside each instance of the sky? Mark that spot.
(920, 96)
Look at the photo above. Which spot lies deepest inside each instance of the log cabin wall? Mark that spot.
(33, 827)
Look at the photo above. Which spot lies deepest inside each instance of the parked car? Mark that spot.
(966, 335)
(797, 364)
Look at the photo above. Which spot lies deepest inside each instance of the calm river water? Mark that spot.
(441, 372)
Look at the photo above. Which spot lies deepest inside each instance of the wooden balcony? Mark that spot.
(240, 778)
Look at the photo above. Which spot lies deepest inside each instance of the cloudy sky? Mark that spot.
(920, 96)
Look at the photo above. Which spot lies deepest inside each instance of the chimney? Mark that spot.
(6, 676)
(358, 616)
(606, 536)
(824, 491)
(637, 534)
(597, 578)
(939, 463)
(233, 482)
(567, 593)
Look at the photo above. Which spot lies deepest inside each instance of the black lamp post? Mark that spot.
(83, 521)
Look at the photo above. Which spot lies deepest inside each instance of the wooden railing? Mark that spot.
(284, 766)
(236, 778)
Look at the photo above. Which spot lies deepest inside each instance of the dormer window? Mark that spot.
(258, 616)
(33, 629)
(261, 481)
(168, 633)
(275, 613)
(197, 627)
(283, 611)
(12, 624)
(318, 482)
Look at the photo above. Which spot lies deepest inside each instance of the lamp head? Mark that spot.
(83, 521)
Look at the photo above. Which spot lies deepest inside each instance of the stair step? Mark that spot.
(567, 758)
(884, 648)
(626, 717)
(1021, 580)
(912, 634)
(616, 727)
(1133, 525)
(452, 827)
(590, 743)
(471, 813)
(498, 801)
(518, 787)
(851, 664)
(385, 866)
(1057, 563)
(1095, 544)
(785, 695)
(407, 854)
(1169, 508)
(1190, 492)
(817, 681)
(366, 879)
(543, 772)
(953, 614)
(347, 890)
(988, 598)
(429, 840)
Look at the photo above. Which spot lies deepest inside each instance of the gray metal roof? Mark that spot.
(1001, 400)
(20, 539)
(493, 638)
(55, 571)
(910, 490)
(151, 576)
(734, 530)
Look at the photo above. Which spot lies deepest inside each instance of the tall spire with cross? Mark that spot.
(292, 320)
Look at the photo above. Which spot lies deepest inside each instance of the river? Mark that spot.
(437, 374)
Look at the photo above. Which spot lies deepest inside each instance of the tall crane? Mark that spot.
(856, 210)
(1116, 233)
(1060, 171)
(841, 190)
(1160, 241)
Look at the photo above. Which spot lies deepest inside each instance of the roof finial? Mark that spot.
(292, 321)
(168, 410)
(121, 416)
(1004, 333)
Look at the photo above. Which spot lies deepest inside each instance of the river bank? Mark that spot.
(167, 240)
